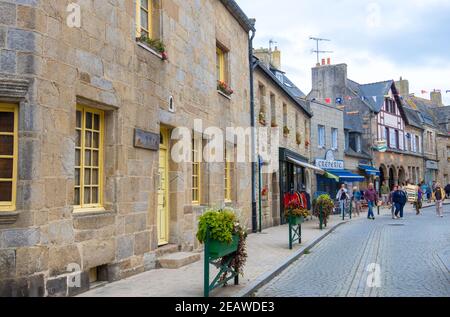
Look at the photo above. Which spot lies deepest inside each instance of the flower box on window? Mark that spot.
(156, 45)
(224, 88)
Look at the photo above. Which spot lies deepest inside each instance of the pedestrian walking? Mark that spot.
(447, 191)
(429, 192)
(439, 195)
(385, 193)
(399, 198)
(371, 196)
(357, 196)
(342, 197)
(391, 203)
(419, 200)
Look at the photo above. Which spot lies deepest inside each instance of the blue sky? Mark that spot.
(378, 40)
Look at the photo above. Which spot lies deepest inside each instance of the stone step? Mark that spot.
(167, 249)
(177, 260)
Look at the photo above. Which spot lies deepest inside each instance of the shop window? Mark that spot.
(88, 158)
(8, 156)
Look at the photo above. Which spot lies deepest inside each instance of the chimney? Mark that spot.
(402, 87)
(276, 58)
(323, 61)
(263, 54)
(329, 82)
(328, 61)
(436, 98)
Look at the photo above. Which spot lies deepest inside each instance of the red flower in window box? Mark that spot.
(224, 88)
(264, 191)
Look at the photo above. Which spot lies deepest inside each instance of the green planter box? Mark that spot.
(295, 220)
(218, 249)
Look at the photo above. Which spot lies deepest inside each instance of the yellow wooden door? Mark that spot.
(163, 191)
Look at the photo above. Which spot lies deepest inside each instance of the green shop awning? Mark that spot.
(344, 176)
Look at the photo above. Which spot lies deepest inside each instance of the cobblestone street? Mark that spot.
(413, 255)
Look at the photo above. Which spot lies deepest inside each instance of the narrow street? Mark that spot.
(412, 255)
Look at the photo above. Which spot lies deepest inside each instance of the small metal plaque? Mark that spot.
(146, 140)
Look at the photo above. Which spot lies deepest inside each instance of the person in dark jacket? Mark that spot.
(371, 196)
(447, 190)
(399, 198)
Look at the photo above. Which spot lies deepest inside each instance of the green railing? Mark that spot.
(295, 230)
(215, 251)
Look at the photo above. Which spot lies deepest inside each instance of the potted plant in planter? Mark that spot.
(298, 138)
(225, 236)
(262, 118)
(295, 214)
(274, 124)
(323, 207)
(154, 44)
(286, 130)
(225, 247)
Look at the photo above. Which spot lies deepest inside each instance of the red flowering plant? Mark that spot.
(154, 44)
(294, 209)
(264, 191)
(224, 88)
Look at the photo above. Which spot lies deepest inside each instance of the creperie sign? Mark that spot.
(325, 164)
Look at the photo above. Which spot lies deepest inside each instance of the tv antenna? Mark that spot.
(317, 51)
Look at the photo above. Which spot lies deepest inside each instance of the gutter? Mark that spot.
(253, 124)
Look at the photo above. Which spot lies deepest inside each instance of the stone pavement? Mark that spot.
(266, 251)
(411, 255)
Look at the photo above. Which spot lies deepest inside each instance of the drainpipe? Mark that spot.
(252, 123)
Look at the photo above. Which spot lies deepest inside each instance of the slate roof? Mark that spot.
(412, 117)
(442, 114)
(239, 15)
(291, 90)
(372, 93)
(289, 85)
(424, 110)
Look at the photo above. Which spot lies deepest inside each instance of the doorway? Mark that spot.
(163, 189)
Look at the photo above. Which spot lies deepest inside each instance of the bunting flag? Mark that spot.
(328, 100)
(339, 101)
(374, 98)
(447, 91)
(424, 92)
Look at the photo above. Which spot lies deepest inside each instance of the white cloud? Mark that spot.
(396, 43)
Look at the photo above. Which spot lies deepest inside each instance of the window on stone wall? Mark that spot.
(144, 13)
(285, 115)
(88, 158)
(321, 136)
(334, 138)
(273, 111)
(8, 156)
(196, 170)
(227, 175)
(222, 64)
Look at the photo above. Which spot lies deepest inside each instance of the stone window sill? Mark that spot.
(224, 95)
(8, 217)
(87, 212)
(149, 49)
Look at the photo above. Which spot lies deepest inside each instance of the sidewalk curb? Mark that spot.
(267, 277)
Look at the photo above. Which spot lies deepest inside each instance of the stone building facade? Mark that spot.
(287, 118)
(89, 191)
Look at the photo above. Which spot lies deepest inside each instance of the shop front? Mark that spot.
(431, 172)
(336, 175)
(295, 175)
(371, 175)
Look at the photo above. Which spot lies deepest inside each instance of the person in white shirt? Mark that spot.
(342, 197)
